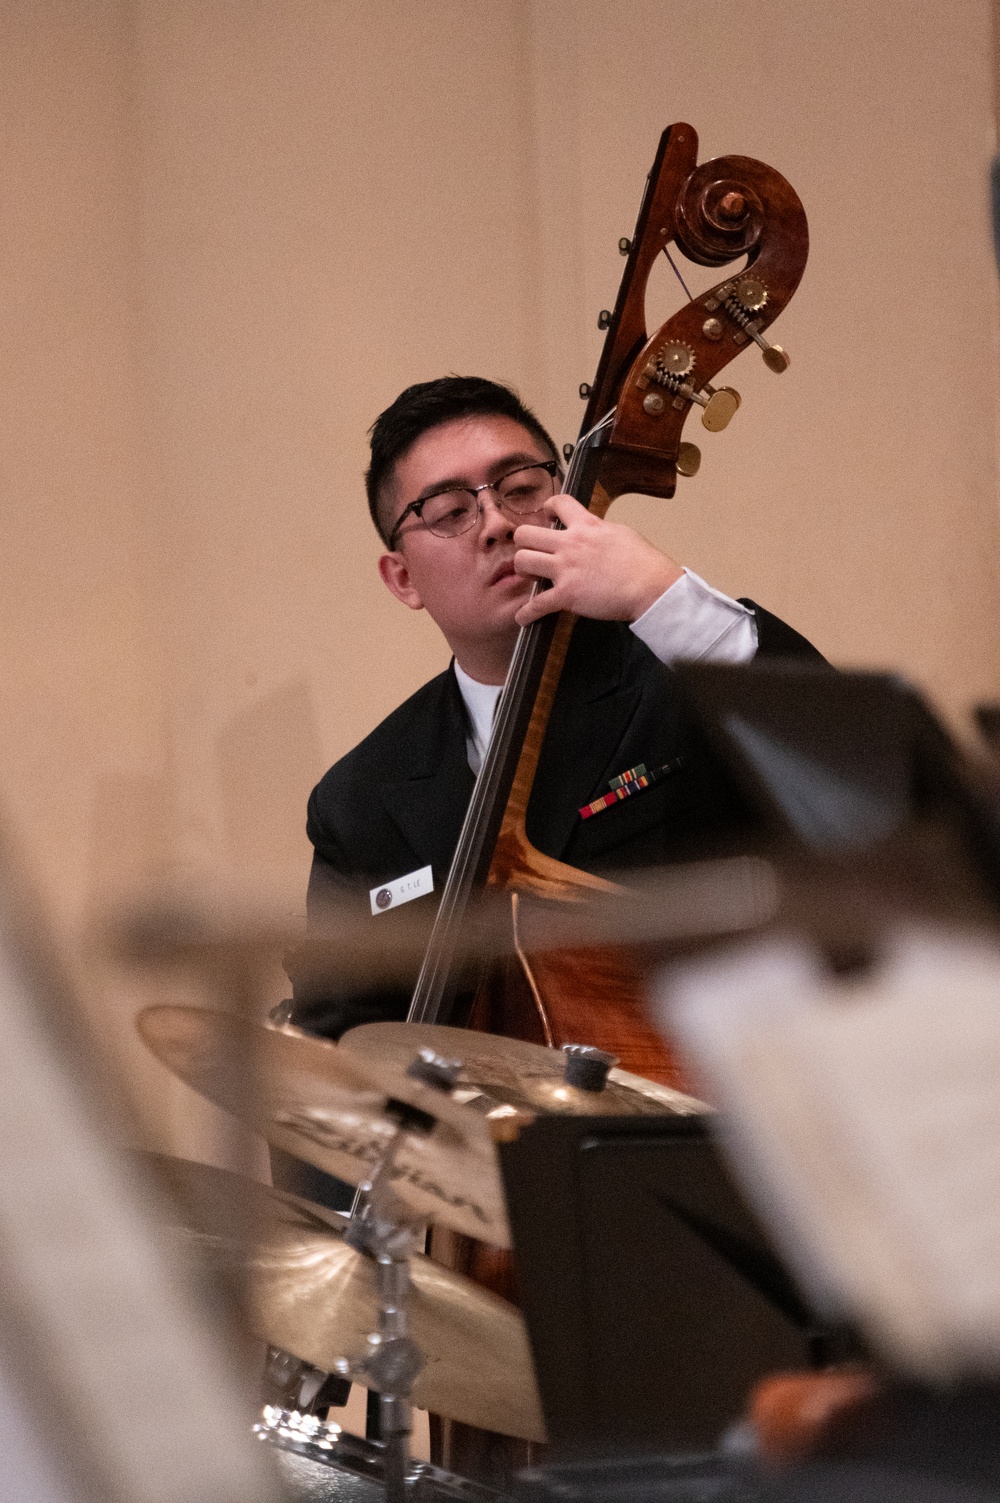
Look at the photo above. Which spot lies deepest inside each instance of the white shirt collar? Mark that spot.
(481, 702)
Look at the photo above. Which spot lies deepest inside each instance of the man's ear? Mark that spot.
(396, 577)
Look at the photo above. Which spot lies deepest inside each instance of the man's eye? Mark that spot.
(446, 509)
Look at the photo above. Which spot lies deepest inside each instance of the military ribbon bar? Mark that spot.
(627, 783)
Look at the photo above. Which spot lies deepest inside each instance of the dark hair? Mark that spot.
(427, 405)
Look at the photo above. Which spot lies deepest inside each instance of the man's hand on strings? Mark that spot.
(600, 569)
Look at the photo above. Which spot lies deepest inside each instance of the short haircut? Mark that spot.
(428, 405)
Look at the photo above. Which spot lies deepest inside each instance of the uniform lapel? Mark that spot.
(427, 801)
(594, 709)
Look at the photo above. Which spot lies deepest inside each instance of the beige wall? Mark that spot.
(233, 229)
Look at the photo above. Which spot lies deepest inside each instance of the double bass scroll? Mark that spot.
(726, 208)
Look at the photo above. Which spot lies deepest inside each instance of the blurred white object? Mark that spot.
(117, 1382)
(863, 1115)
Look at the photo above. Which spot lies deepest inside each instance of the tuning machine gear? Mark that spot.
(674, 359)
(720, 403)
(742, 300)
(670, 365)
(751, 294)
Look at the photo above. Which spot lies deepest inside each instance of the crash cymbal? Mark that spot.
(313, 1294)
(310, 1098)
(511, 1072)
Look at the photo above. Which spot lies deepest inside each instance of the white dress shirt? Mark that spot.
(690, 621)
(481, 703)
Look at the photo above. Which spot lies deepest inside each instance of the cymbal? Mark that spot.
(512, 1072)
(321, 1104)
(313, 1294)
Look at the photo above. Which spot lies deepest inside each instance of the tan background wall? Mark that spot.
(233, 230)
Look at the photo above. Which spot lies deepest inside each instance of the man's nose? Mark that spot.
(495, 525)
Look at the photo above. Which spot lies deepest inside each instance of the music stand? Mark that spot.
(844, 762)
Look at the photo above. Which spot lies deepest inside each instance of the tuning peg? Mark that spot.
(775, 358)
(624, 246)
(604, 318)
(688, 459)
(741, 300)
(585, 389)
(568, 452)
(720, 407)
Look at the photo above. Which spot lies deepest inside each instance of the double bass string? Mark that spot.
(482, 816)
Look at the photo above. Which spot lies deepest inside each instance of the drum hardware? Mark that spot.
(394, 1111)
(586, 1067)
(382, 1227)
(384, 1231)
(290, 1383)
(330, 1446)
(434, 1069)
(298, 1429)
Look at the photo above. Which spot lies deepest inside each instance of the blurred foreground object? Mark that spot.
(849, 764)
(863, 1113)
(116, 1381)
(653, 1296)
(222, 935)
(795, 1416)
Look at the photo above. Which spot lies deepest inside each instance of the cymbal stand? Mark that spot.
(383, 1228)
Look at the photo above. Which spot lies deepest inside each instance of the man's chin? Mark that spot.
(512, 606)
(500, 626)
(496, 627)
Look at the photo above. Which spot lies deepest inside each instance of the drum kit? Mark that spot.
(408, 1114)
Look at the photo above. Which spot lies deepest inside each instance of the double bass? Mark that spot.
(644, 390)
(645, 387)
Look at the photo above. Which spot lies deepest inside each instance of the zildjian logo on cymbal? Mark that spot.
(367, 1152)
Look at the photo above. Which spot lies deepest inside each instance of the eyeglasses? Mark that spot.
(449, 513)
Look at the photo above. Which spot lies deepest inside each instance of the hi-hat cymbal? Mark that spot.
(328, 1107)
(512, 1072)
(313, 1294)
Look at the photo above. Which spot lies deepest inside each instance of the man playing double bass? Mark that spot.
(463, 489)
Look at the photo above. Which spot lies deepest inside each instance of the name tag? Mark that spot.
(403, 890)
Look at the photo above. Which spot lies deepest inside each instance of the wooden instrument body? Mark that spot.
(726, 209)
